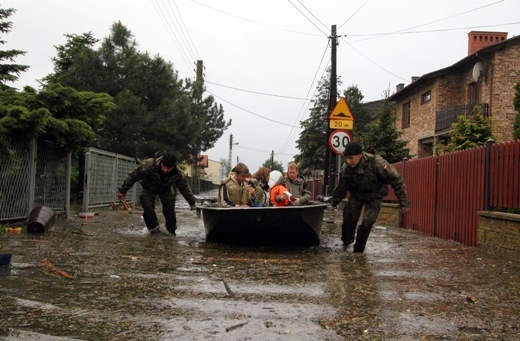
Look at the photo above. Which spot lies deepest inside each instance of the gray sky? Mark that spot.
(263, 59)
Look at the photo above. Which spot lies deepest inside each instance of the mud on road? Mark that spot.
(104, 280)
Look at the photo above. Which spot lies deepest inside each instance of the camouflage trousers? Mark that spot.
(351, 215)
(147, 200)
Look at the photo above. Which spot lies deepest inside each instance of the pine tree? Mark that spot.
(469, 132)
(9, 72)
(312, 142)
(381, 137)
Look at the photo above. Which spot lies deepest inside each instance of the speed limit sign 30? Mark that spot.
(338, 140)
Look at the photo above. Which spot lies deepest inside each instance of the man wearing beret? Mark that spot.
(158, 175)
(366, 177)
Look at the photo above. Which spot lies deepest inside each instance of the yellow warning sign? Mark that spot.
(341, 111)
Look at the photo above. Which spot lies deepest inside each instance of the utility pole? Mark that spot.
(272, 159)
(330, 158)
(199, 82)
(231, 144)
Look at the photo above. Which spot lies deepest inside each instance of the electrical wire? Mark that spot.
(313, 24)
(356, 12)
(256, 92)
(253, 21)
(171, 32)
(250, 112)
(326, 27)
(299, 118)
(181, 30)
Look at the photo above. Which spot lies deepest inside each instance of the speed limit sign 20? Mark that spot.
(338, 140)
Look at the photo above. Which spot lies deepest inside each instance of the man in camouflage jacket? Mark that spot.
(297, 185)
(366, 177)
(158, 176)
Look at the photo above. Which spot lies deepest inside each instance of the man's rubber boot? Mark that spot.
(172, 230)
(347, 234)
(361, 239)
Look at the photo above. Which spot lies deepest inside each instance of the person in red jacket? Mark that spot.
(279, 194)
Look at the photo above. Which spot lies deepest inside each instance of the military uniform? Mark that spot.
(154, 183)
(368, 184)
(298, 188)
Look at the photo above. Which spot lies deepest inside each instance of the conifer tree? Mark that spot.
(469, 132)
(9, 70)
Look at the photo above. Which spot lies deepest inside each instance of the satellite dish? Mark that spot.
(478, 71)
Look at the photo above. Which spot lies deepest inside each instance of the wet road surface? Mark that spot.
(102, 279)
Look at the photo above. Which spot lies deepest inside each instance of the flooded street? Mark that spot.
(102, 279)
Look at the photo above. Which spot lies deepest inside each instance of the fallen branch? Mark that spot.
(278, 273)
(55, 269)
(228, 289)
(228, 329)
(79, 231)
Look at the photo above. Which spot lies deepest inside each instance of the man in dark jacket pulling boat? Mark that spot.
(158, 176)
(366, 177)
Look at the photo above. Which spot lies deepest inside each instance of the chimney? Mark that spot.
(414, 78)
(478, 40)
(399, 87)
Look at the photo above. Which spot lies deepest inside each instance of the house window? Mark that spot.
(473, 94)
(406, 115)
(426, 97)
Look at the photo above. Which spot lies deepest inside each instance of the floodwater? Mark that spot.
(103, 279)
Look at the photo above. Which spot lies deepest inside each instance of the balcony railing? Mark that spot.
(446, 117)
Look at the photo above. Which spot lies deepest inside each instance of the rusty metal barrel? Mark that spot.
(41, 219)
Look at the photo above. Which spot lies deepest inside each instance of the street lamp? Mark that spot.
(231, 144)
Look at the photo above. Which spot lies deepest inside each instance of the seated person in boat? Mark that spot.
(279, 195)
(258, 187)
(234, 191)
(296, 185)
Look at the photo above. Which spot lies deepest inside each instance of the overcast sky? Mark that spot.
(263, 59)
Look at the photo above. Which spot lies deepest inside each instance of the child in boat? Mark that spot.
(258, 187)
(279, 194)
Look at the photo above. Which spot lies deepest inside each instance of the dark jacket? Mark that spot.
(369, 181)
(152, 178)
(298, 188)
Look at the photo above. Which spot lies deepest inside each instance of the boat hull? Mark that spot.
(291, 224)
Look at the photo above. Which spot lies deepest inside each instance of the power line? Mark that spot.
(373, 62)
(313, 24)
(427, 31)
(252, 21)
(326, 27)
(250, 112)
(190, 40)
(290, 136)
(359, 9)
(256, 92)
(170, 32)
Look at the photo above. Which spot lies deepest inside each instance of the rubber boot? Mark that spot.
(361, 238)
(347, 233)
(171, 229)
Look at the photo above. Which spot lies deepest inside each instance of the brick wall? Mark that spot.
(447, 90)
(390, 215)
(506, 74)
(499, 233)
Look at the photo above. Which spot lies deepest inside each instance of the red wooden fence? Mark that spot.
(505, 175)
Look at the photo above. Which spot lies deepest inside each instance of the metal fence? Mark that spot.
(32, 173)
(104, 173)
(38, 173)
